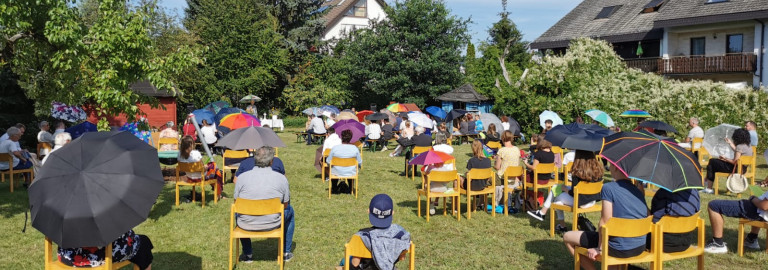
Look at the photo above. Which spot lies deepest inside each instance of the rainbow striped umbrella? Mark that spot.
(635, 113)
(238, 120)
(397, 107)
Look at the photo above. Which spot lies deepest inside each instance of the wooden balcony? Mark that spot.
(708, 64)
(644, 64)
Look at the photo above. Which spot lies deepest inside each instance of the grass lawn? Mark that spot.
(188, 237)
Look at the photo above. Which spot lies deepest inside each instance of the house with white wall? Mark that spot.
(344, 16)
(720, 40)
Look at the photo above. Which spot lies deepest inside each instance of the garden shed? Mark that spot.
(465, 97)
(156, 117)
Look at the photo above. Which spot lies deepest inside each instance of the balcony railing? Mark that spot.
(708, 64)
(644, 64)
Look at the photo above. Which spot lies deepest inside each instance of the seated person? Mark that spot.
(492, 135)
(404, 139)
(188, 154)
(739, 142)
(21, 159)
(621, 199)
(345, 150)
(422, 140)
(135, 248)
(59, 141)
(169, 132)
(387, 132)
(60, 128)
(508, 155)
(387, 242)
(263, 183)
(478, 161)
(754, 208)
(440, 146)
(471, 125)
(332, 140)
(543, 155)
(44, 137)
(684, 203)
(547, 126)
(373, 131)
(316, 126)
(478, 125)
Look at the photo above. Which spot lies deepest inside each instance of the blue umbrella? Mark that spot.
(203, 114)
(578, 136)
(311, 110)
(224, 112)
(79, 129)
(216, 106)
(328, 110)
(436, 112)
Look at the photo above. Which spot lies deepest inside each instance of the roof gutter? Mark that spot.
(761, 64)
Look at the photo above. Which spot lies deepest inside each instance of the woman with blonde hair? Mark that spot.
(507, 156)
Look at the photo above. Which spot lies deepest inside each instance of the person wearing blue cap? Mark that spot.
(386, 241)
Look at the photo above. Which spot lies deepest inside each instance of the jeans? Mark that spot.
(290, 224)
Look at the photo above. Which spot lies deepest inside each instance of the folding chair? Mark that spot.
(256, 208)
(343, 162)
(51, 263)
(356, 248)
(439, 177)
(669, 224)
(620, 227)
(10, 172)
(188, 167)
(511, 172)
(583, 188)
(479, 174)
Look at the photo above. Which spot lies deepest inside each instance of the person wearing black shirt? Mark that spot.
(421, 139)
(478, 161)
(387, 131)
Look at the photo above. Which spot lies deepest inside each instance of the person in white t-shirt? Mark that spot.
(374, 131)
(21, 160)
(440, 146)
(316, 126)
(695, 132)
(330, 121)
(209, 133)
(59, 141)
(188, 154)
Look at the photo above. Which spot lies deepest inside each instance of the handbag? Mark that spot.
(736, 182)
(584, 224)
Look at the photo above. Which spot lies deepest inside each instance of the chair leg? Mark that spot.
(551, 222)
(469, 206)
(11, 180)
(418, 204)
(177, 193)
(741, 240)
(202, 191)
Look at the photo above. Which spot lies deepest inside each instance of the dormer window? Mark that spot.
(716, 1)
(360, 9)
(606, 12)
(653, 6)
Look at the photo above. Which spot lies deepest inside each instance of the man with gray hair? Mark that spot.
(261, 183)
(59, 141)
(44, 136)
(420, 139)
(695, 132)
(21, 159)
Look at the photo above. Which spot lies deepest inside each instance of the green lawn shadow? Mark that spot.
(176, 260)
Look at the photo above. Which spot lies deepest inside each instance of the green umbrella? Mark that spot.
(250, 99)
(639, 49)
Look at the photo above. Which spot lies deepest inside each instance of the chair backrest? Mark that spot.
(163, 141)
(235, 154)
(53, 263)
(542, 168)
(43, 145)
(493, 144)
(680, 224)
(343, 162)
(588, 188)
(748, 161)
(356, 248)
(478, 174)
(696, 144)
(327, 152)
(442, 176)
(420, 149)
(6, 157)
(622, 227)
(450, 161)
(557, 150)
(258, 207)
(513, 171)
(703, 155)
(190, 167)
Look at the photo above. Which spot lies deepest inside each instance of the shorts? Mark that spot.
(736, 208)
(143, 257)
(674, 242)
(591, 240)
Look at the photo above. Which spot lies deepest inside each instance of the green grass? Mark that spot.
(188, 237)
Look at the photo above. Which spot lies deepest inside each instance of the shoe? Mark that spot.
(536, 214)
(431, 210)
(513, 210)
(287, 256)
(499, 209)
(715, 248)
(488, 208)
(245, 258)
(384, 149)
(561, 229)
(708, 191)
(751, 244)
(403, 174)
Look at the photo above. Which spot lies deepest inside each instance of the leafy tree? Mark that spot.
(412, 56)
(319, 82)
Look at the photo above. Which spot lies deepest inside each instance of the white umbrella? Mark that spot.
(488, 118)
(714, 140)
(549, 115)
(420, 119)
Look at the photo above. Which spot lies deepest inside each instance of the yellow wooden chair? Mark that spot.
(703, 159)
(493, 144)
(255, 208)
(669, 224)
(439, 177)
(567, 168)
(324, 165)
(360, 147)
(10, 172)
(748, 161)
(479, 174)
(541, 168)
(188, 167)
(415, 152)
(52, 263)
(356, 248)
(583, 188)
(43, 146)
(344, 162)
(276, 151)
(164, 141)
(511, 173)
(620, 227)
(746, 222)
(231, 154)
(696, 144)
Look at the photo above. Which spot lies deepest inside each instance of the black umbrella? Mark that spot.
(250, 138)
(95, 188)
(514, 127)
(657, 125)
(376, 116)
(455, 113)
(577, 136)
(653, 159)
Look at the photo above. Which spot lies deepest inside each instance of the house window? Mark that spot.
(607, 12)
(716, 1)
(734, 43)
(359, 9)
(698, 46)
(653, 6)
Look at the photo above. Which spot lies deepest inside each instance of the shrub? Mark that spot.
(294, 121)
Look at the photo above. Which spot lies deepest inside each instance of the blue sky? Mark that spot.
(532, 17)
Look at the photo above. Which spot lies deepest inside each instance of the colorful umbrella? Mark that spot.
(397, 107)
(358, 129)
(216, 106)
(250, 99)
(203, 114)
(550, 115)
(635, 113)
(362, 114)
(657, 125)
(226, 111)
(238, 120)
(601, 117)
(714, 140)
(133, 128)
(68, 113)
(420, 119)
(577, 136)
(653, 159)
(436, 112)
(430, 157)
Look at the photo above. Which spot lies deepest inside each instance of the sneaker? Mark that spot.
(751, 244)
(561, 229)
(708, 191)
(287, 256)
(536, 214)
(715, 248)
(245, 258)
(384, 148)
(499, 209)
(431, 210)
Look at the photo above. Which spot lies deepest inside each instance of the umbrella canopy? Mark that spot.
(203, 114)
(80, 129)
(94, 189)
(455, 113)
(514, 126)
(397, 107)
(327, 110)
(68, 113)
(714, 140)
(420, 119)
(391, 116)
(224, 112)
(657, 125)
(577, 136)
(250, 138)
(653, 159)
(311, 110)
(358, 129)
(347, 115)
(550, 115)
(436, 112)
(412, 107)
(216, 106)
(430, 157)
(376, 116)
(362, 114)
(238, 120)
(250, 99)
(601, 117)
(133, 128)
(488, 118)
(635, 113)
